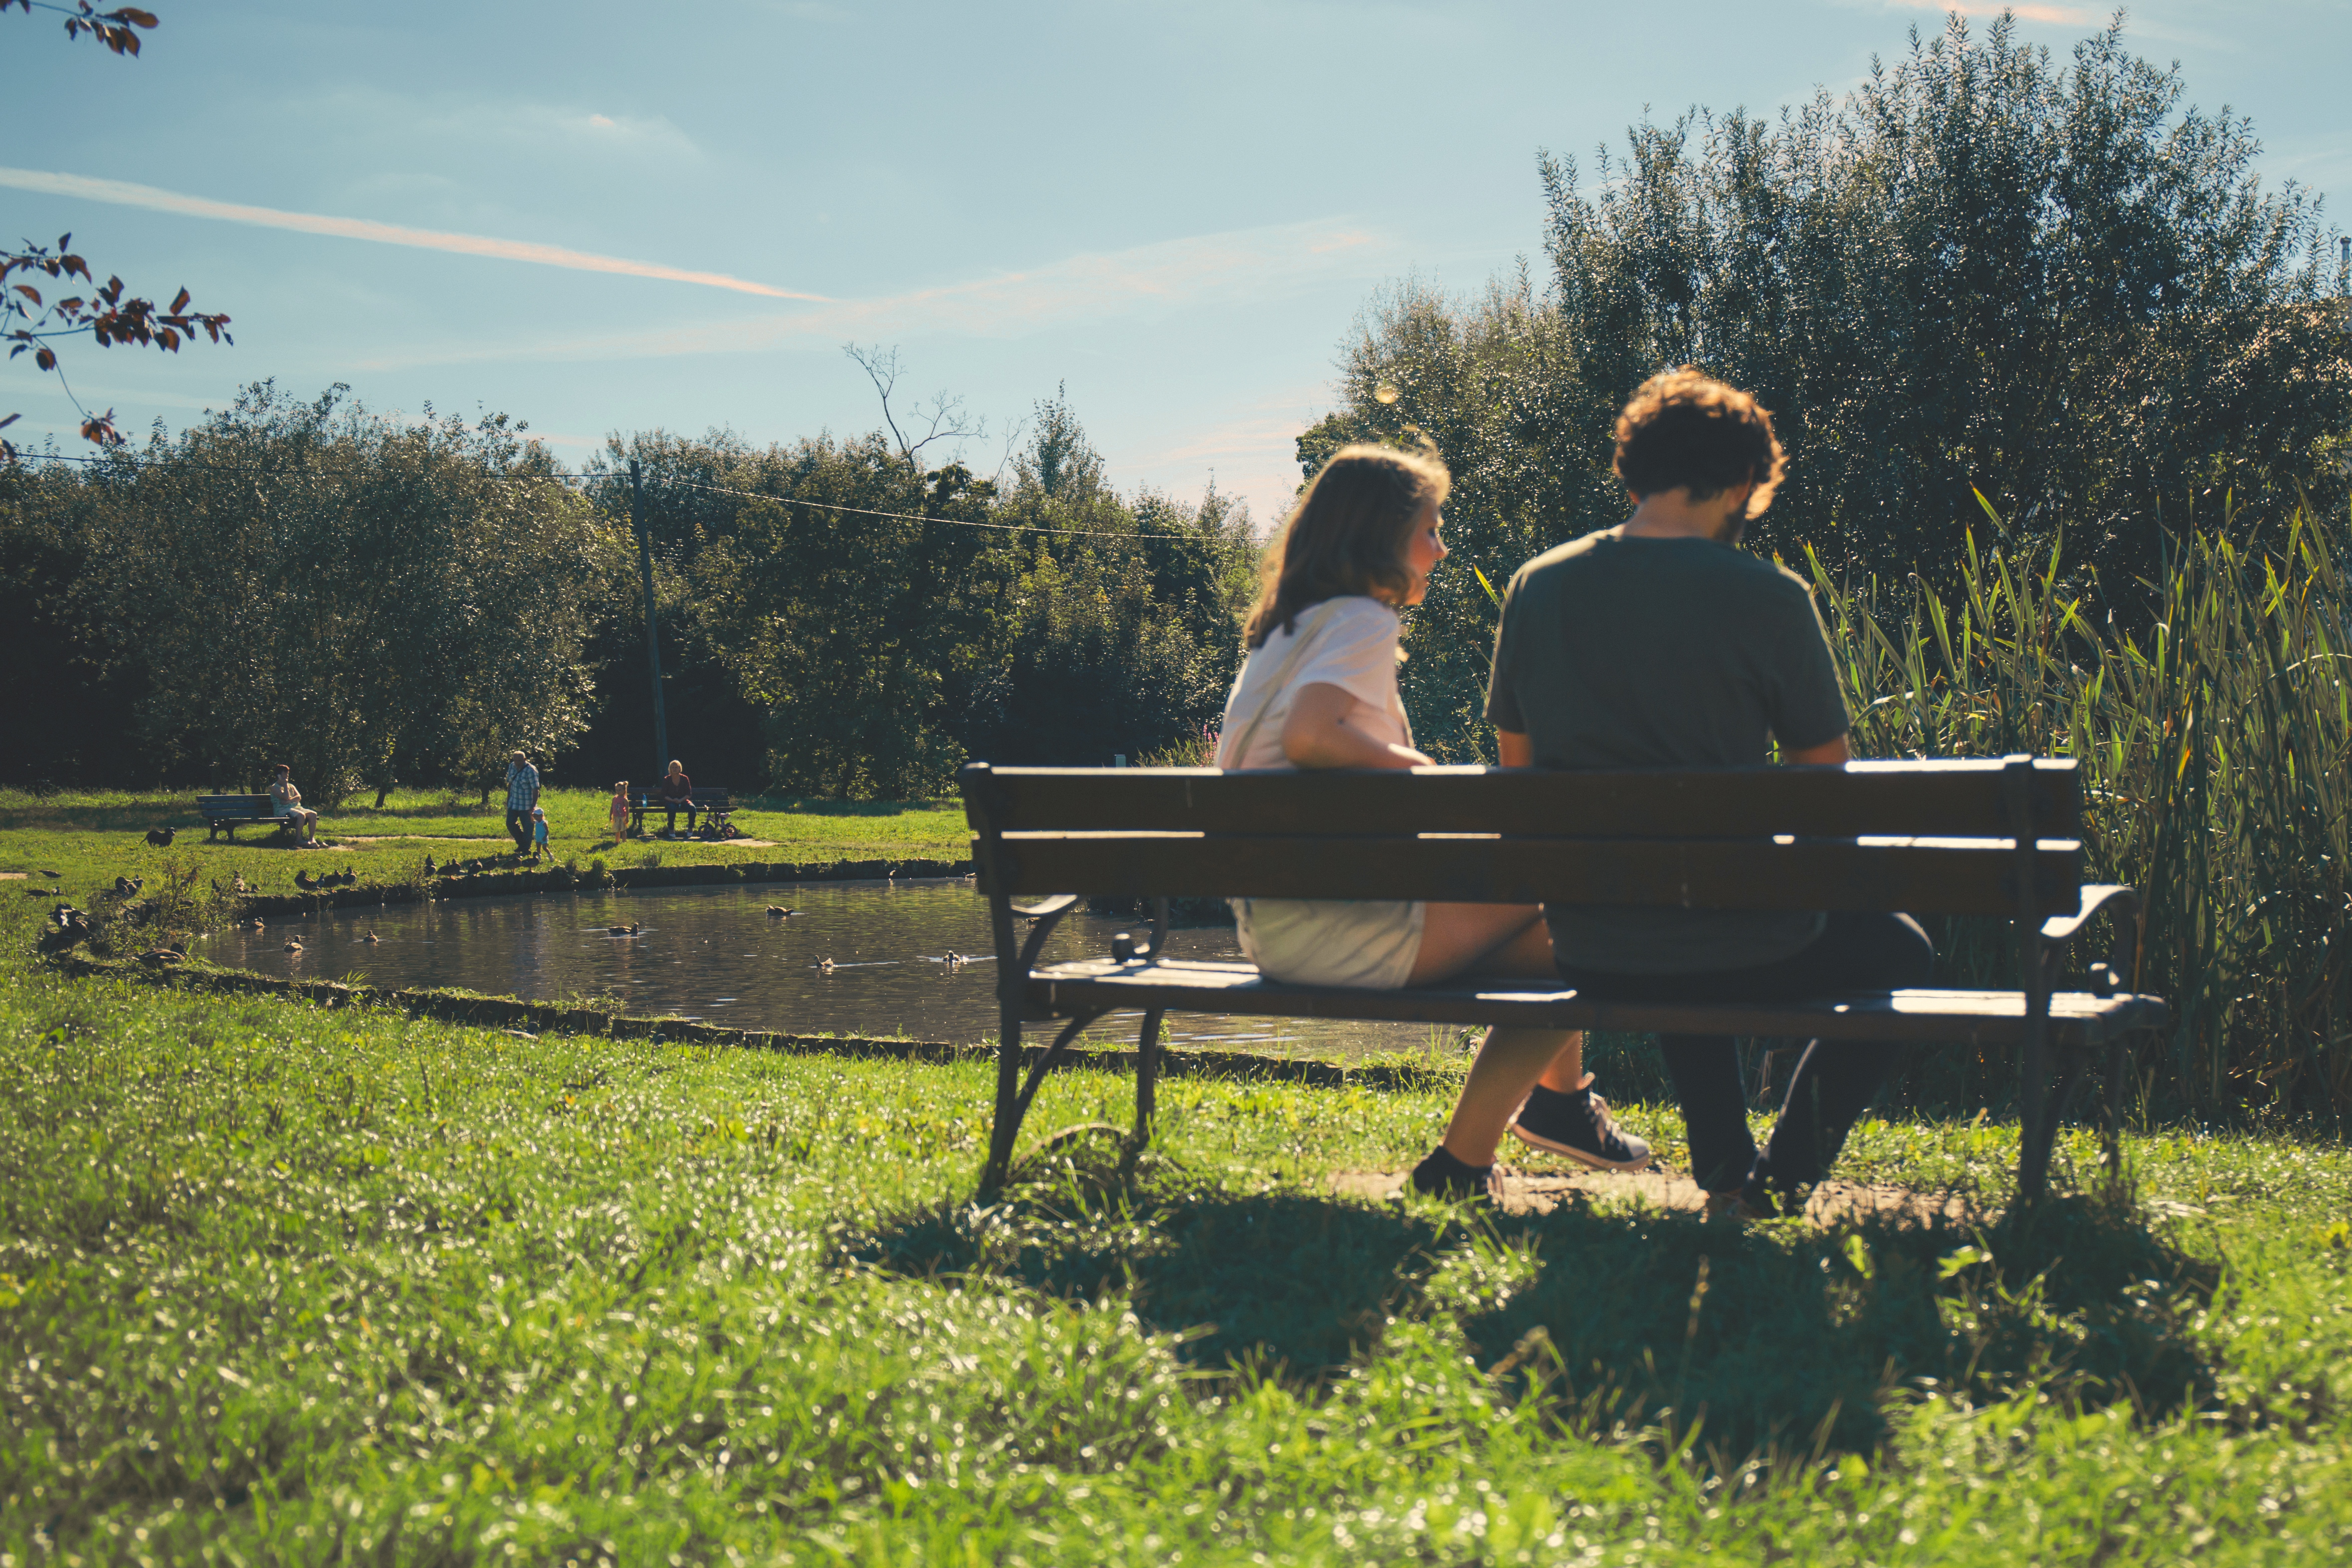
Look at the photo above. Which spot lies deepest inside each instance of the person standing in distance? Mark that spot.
(522, 796)
(1661, 643)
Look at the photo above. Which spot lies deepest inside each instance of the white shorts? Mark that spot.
(1367, 942)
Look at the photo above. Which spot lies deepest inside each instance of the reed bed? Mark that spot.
(2214, 729)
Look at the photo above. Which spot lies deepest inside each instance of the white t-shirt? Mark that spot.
(1350, 643)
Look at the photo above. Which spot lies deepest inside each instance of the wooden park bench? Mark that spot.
(1962, 837)
(226, 812)
(714, 807)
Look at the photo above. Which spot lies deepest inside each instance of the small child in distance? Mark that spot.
(538, 831)
(620, 811)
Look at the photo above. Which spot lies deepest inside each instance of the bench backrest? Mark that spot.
(715, 796)
(1930, 837)
(221, 804)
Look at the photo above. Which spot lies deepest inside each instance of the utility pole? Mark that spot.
(653, 639)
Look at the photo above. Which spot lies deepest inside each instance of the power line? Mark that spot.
(920, 517)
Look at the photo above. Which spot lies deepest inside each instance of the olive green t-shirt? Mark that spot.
(1663, 653)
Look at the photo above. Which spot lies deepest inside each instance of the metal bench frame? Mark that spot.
(715, 806)
(217, 821)
(1958, 837)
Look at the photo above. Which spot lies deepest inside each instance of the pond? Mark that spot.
(713, 953)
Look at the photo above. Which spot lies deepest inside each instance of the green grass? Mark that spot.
(95, 836)
(285, 1284)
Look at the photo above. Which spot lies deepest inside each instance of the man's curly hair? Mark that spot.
(1684, 427)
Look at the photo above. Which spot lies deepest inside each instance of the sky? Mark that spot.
(603, 217)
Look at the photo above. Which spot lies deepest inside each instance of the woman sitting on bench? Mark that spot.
(1319, 691)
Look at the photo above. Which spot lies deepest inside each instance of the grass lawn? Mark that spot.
(95, 836)
(285, 1285)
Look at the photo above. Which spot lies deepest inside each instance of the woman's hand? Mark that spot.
(1317, 735)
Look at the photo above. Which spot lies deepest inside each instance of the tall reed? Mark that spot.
(2216, 746)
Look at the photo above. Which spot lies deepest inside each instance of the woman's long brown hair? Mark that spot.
(1347, 534)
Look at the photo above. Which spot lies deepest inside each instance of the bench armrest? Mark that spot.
(1048, 915)
(2060, 929)
(1058, 904)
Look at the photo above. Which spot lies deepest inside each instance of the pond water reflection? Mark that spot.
(714, 954)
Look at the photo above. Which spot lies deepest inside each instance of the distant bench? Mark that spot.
(714, 807)
(224, 812)
(1959, 838)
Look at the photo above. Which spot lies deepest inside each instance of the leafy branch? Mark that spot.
(111, 28)
(28, 320)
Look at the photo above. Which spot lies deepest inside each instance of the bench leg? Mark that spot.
(2111, 1120)
(1006, 1126)
(1146, 1074)
(2039, 1135)
(1011, 1113)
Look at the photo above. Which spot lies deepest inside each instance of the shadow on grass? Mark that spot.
(139, 813)
(1779, 1340)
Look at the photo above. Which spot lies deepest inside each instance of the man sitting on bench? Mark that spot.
(1659, 644)
(676, 795)
(301, 824)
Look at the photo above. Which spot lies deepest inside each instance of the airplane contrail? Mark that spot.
(124, 194)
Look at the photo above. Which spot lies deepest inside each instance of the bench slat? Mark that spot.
(1988, 1018)
(1947, 877)
(1962, 799)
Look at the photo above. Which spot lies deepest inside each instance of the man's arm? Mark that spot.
(1317, 735)
(1829, 753)
(1515, 750)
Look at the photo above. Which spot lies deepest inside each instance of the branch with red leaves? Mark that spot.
(111, 28)
(104, 314)
(28, 320)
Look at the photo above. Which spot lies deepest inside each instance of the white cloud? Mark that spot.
(122, 193)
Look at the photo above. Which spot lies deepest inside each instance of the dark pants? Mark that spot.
(1834, 1079)
(518, 829)
(674, 807)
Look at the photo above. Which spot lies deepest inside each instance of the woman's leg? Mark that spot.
(1495, 939)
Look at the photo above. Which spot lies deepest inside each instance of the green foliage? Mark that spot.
(307, 583)
(2216, 747)
(1982, 269)
(885, 624)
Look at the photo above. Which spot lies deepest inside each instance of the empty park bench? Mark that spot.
(714, 808)
(1960, 837)
(226, 812)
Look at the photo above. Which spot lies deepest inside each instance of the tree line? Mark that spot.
(377, 601)
(1987, 283)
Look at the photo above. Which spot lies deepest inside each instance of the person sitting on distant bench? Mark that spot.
(677, 794)
(286, 801)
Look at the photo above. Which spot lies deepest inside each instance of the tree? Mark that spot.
(877, 626)
(28, 323)
(1980, 272)
(354, 596)
(943, 420)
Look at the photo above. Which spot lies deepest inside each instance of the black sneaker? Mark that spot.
(1440, 1175)
(1577, 1125)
